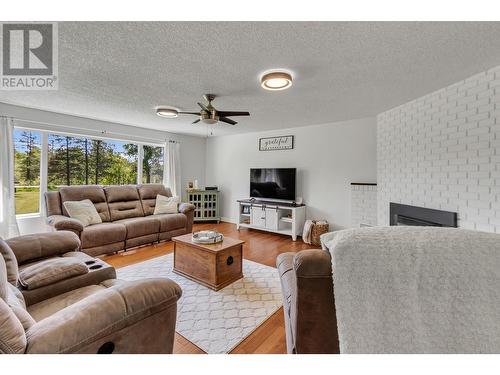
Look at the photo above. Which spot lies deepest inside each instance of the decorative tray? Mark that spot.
(207, 237)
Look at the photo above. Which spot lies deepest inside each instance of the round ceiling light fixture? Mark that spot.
(276, 80)
(167, 112)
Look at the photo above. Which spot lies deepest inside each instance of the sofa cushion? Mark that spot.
(51, 271)
(102, 234)
(52, 305)
(141, 226)
(121, 193)
(170, 222)
(148, 193)
(43, 245)
(123, 202)
(84, 211)
(3, 279)
(93, 192)
(12, 336)
(53, 203)
(15, 301)
(10, 262)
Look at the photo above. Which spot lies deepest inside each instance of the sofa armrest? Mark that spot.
(42, 245)
(313, 263)
(188, 210)
(186, 207)
(316, 322)
(61, 222)
(106, 315)
(309, 303)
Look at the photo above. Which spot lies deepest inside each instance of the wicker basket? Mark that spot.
(317, 230)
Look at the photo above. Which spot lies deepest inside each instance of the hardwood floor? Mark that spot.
(260, 247)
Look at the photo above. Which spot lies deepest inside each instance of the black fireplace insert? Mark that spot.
(402, 214)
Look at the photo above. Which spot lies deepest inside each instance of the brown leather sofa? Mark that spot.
(127, 216)
(308, 302)
(84, 315)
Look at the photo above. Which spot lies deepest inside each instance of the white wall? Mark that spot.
(327, 157)
(442, 151)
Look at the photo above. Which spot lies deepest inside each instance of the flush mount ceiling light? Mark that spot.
(167, 112)
(276, 80)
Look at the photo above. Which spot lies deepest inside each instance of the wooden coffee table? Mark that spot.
(214, 266)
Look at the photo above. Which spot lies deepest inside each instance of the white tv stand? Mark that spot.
(282, 218)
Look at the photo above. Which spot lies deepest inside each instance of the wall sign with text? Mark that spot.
(276, 143)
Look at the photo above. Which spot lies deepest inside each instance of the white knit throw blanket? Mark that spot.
(306, 233)
(416, 290)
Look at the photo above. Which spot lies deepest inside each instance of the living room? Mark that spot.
(234, 188)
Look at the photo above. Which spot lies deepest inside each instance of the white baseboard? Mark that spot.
(227, 220)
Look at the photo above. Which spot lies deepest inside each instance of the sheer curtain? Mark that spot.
(8, 222)
(172, 168)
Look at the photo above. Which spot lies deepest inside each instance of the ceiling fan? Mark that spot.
(207, 115)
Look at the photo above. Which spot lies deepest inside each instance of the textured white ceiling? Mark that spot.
(343, 70)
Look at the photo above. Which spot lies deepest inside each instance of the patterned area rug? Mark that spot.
(217, 321)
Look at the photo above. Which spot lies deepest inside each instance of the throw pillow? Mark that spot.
(84, 211)
(166, 205)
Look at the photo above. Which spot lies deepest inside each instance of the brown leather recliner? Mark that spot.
(35, 253)
(108, 316)
(308, 302)
(127, 216)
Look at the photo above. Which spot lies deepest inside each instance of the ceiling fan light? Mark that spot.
(210, 121)
(275, 81)
(167, 112)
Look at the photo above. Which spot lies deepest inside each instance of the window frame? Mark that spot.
(44, 145)
(40, 196)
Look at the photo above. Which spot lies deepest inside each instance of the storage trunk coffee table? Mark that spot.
(214, 266)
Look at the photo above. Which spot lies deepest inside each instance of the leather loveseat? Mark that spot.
(127, 216)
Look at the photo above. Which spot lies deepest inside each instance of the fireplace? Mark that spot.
(402, 214)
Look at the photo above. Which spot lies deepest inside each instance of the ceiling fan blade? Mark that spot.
(227, 120)
(195, 121)
(232, 113)
(203, 106)
(188, 113)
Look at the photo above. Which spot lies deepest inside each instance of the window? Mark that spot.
(78, 160)
(152, 165)
(27, 171)
(83, 161)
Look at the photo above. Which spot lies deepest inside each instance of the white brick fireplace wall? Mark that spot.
(442, 151)
(363, 205)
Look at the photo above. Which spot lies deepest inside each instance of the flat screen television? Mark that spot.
(273, 183)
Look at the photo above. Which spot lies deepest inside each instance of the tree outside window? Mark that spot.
(152, 162)
(83, 161)
(27, 171)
